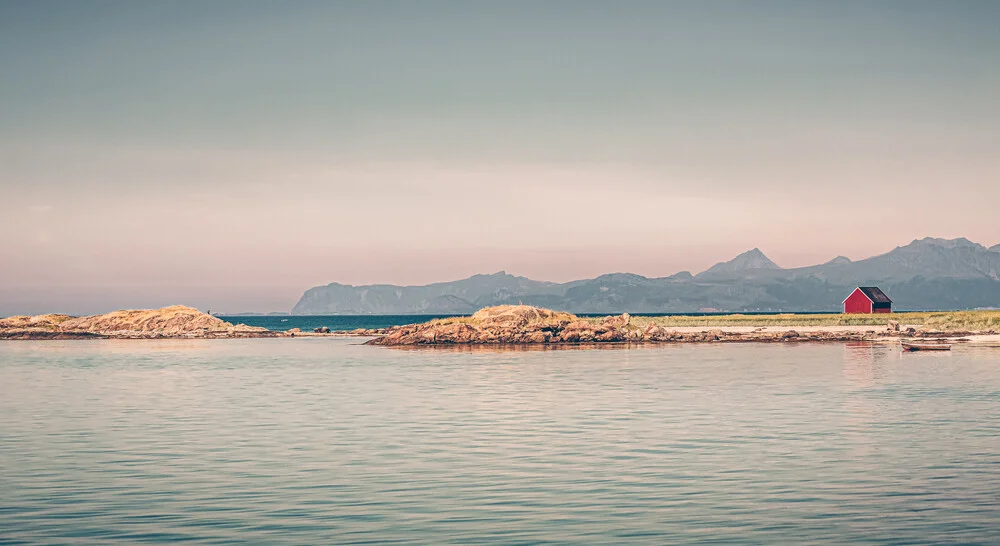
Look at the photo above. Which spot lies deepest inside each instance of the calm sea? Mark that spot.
(325, 441)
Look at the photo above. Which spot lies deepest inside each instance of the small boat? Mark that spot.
(926, 346)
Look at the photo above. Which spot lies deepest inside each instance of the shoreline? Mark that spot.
(699, 337)
(702, 336)
(520, 324)
(514, 325)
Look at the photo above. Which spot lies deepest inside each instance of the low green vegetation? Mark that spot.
(950, 320)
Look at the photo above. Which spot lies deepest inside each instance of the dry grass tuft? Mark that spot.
(510, 316)
(45, 322)
(964, 320)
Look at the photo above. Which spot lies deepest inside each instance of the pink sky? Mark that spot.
(256, 244)
(231, 158)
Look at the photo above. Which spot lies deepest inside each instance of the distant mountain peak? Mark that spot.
(757, 259)
(960, 242)
(620, 277)
(681, 276)
(839, 260)
(995, 248)
(750, 260)
(498, 276)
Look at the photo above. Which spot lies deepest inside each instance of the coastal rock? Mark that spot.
(502, 324)
(570, 336)
(40, 333)
(454, 333)
(617, 321)
(578, 325)
(611, 336)
(513, 324)
(48, 322)
(538, 337)
(519, 316)
(367, 332)
(169, 322)
(655, 333)
(459, 333)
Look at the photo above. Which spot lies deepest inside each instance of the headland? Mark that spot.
(522, 324)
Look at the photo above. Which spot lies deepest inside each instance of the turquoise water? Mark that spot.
(334, 322)
(322, 440)
(351, 322)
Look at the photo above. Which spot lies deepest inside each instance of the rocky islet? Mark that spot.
(177, 321)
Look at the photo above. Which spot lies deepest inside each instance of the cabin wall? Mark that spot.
(881, 308)
(857, 302)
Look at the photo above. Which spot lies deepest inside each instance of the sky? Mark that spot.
(230, 155)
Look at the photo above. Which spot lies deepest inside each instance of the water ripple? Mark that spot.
(327, 441)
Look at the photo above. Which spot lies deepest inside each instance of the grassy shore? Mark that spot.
(951, 320)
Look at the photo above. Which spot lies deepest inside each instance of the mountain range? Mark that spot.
(927, 274)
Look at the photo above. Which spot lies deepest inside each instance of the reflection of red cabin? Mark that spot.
(867, 299)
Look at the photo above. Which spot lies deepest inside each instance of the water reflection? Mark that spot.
(865, 362)
(528, 347)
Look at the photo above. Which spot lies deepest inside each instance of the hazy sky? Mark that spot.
(229, 155)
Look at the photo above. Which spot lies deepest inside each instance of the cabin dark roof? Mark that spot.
(875, 294)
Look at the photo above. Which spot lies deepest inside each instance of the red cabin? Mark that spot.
(867, 299)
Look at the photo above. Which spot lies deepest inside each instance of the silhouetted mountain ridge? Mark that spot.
(751, 260)
(928, 273)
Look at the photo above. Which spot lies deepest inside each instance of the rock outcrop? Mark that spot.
(169, 322)
(44, 322)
